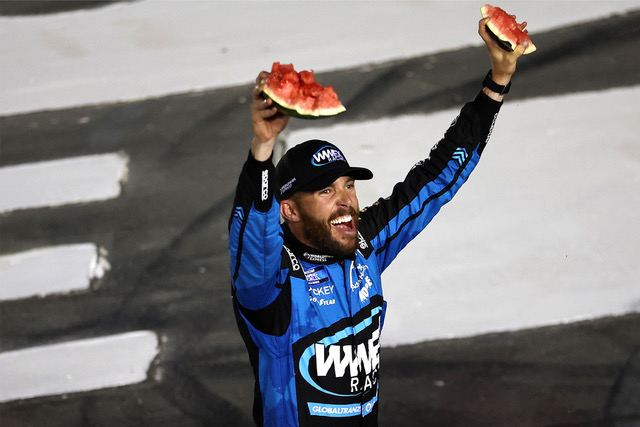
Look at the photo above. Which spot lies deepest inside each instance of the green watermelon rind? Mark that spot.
(495, 31)
(291, 110)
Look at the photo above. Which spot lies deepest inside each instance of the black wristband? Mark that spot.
(491, 85)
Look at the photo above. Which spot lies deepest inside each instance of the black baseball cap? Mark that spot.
(311, 166)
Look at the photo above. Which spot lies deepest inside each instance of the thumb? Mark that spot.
(519, 50)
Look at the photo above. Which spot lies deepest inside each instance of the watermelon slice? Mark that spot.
(299, 95)
(505, 29)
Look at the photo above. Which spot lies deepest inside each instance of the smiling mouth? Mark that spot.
(344, 223)
(342, 220)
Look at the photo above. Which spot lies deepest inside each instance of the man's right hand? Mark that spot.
(266, 120)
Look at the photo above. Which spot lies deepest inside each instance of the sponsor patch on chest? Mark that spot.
(316, 275)
(320, 289)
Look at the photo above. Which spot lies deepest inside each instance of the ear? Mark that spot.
(289, 211)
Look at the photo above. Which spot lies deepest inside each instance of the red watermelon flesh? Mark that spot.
(506, 28)
(299, 95)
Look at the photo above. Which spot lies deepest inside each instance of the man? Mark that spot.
(307, 292)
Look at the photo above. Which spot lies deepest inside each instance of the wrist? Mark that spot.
(499, 84)
(493, 95)
(261, 151)
(501, 79)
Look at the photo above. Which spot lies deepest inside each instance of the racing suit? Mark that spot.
(311, 322)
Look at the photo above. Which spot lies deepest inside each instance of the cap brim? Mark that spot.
(326, 179)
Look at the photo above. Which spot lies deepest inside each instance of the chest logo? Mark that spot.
(362, 282)
(320, 290)
(340, 364)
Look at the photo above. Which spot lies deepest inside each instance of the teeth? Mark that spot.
(341, 220)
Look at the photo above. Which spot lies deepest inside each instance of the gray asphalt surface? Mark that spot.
(167, 242)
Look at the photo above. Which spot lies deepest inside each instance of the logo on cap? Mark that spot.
(326, 155)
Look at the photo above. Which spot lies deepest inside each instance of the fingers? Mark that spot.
(263, 107)
(482, 30)
(268, 111)
(519, 50)
(262, 78)
(496, 51)
(489, 39)
(261, 104)
(259, 101)
(260, 82)
(492, 44)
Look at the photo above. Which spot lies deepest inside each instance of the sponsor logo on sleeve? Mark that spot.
(295, 264)
(238, 213)
(493, 122)
(265, 185)
(460, 155)
(362, 243)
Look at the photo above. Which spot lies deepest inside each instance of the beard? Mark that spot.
(319, 233)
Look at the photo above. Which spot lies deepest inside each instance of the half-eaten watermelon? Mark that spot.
(299, 95)
(505, 28)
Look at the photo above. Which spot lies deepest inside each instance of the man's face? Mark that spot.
(330, 217)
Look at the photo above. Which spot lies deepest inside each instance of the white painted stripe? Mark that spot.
(76, 366)
(60, 182)
(132, 50)
(50, 270)
(545, 231)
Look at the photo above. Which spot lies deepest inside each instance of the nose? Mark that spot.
(344, 198)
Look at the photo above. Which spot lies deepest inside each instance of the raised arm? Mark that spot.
(393, 221)
(267, 122)
(254, 227)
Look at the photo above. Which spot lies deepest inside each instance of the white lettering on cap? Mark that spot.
(327, 155)
(287, 186)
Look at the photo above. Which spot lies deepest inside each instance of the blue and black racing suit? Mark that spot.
(311, 322)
